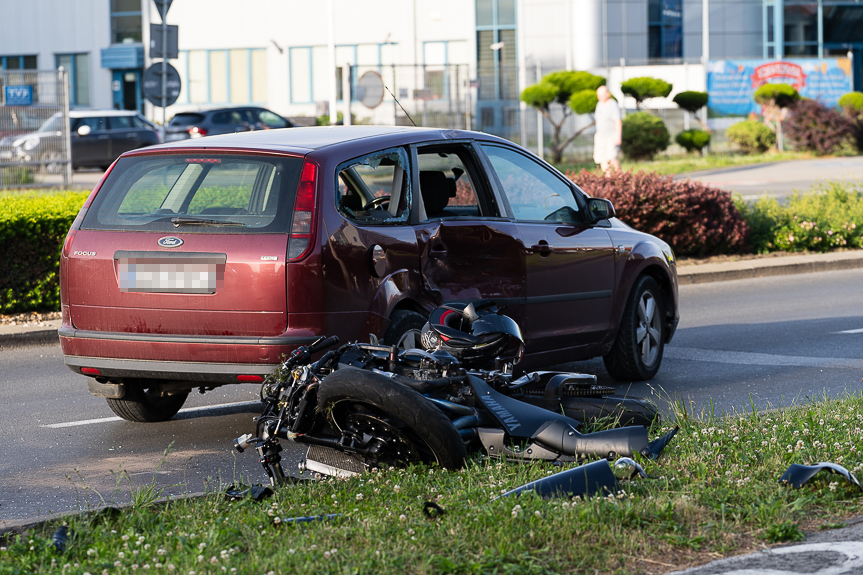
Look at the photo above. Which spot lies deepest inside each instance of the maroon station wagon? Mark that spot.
(199, 263)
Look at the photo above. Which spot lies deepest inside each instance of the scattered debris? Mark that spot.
(312, 518)
(797, 475)
(657, 445)
(588, 479)
(256, 492)
(60, 539)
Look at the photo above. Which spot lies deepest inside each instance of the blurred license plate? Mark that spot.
(157, 272)
(175, 137)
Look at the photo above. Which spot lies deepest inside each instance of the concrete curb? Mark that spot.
(788, 265)
(28, 339)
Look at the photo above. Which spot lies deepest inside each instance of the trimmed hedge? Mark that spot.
(644, 135)
(33, 227)
(695, 220)
(753, 137)
(693, 140)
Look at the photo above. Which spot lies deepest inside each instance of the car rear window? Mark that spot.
(186, 119)
(197, 194)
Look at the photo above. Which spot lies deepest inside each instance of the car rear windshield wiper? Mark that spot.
(200, 222)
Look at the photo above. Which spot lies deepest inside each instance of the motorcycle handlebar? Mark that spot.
(323, 344)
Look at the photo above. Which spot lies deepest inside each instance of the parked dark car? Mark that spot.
(186, 125)
(98, 137)
(199, 266)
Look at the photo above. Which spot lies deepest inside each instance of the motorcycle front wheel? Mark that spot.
(410, 428)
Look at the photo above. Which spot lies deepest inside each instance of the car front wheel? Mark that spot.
(405, 329)
(637, 351)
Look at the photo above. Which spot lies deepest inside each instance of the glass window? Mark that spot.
(96, 123)
(801, 23)
(239, 62)
(505, 12)
(259, 75)
(301, 75)
(484, 13)
(271, 120)
(125, 29)
(120, 122)
(446, 187)
(77, 67)
(534, 193)
(218, 76)
(198, 77)
(320, 78)
(843, 24)
(224, 193)
(665, 29)
(17, 62)
(375, 189)
(496, 50)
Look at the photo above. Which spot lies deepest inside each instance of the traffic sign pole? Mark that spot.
(164, 68)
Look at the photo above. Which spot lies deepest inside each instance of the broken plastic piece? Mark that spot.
(60, 539)
(797, 475)
(256, 492)
(627, 468)
(588, 479)
(657, 445)
(311, 518)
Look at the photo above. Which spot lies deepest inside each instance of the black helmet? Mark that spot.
(474, 332)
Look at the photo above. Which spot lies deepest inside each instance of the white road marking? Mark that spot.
(748, 358)
(187, 410)
(850, 331)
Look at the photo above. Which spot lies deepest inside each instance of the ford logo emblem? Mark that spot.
(170, 242)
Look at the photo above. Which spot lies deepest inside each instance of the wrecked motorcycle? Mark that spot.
(368, 405)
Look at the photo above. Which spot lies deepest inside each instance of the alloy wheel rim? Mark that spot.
(410, 340)
(648, 334)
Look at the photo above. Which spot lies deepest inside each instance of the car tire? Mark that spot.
(405, 329)
(143, 406)
(369, 402)
(637, 351)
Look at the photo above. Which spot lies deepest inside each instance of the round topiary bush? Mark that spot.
(814, 127)
(852, 103)
(695, 219)
(753, 137)
(691, 101)
(644, 136)
(693, 140)
(778, 95)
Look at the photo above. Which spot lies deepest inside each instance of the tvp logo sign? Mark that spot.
(18, 95)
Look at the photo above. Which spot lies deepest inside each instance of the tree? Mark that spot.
(775, 99)
(644, 88)
(692, 102)
(575, 92)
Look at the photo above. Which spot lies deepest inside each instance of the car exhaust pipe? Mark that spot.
(609, 444)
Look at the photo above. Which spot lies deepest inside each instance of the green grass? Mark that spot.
(691, 163)
(714, 491)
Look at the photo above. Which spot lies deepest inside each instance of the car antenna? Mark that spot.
(402, 107)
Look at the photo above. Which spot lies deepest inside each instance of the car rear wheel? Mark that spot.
(145, 406)
(405, 329)
(637, 351)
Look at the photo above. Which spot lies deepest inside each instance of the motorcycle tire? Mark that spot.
(415, 430)
(405, 329)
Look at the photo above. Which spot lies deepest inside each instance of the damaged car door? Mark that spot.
(468, 247)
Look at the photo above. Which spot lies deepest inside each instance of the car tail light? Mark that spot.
(90, 371)
(196, 132)
(250, 379)
(303, 222)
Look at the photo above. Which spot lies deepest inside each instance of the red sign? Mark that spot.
(764, 73)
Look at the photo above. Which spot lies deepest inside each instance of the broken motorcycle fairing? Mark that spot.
(367, 405)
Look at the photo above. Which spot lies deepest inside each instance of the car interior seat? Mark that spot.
(436, 190)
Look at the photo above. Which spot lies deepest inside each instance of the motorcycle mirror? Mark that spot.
(627, 468)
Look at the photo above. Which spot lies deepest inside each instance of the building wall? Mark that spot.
(51, 27)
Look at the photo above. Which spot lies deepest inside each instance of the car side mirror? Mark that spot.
(83, 130)
(599, 209)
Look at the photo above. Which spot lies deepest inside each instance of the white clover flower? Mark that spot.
(359, 496)
(214, 560)
(125, 537)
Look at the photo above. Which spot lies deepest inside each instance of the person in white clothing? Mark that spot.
(609, 130)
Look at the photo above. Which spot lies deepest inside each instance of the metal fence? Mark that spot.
(34, 129)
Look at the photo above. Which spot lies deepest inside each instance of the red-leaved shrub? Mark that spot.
(814, 127)
(696, 220)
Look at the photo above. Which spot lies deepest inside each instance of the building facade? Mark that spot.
(464, 58)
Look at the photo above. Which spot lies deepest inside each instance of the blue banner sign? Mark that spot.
(18, 95)
(731, 83)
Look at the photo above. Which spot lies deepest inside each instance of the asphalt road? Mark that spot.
(770, 341)
(781, 179)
